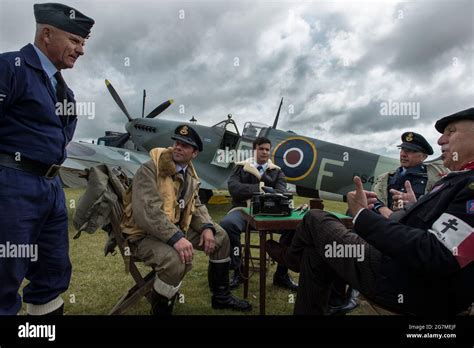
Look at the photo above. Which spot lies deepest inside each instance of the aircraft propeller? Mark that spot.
(158, 110)
(117, 99)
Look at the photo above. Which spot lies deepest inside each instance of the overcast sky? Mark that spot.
(336, 63)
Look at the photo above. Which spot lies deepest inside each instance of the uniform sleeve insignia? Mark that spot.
(409, 137)
(184, 130)
(470, 207)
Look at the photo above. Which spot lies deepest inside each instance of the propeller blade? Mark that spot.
(160, 108)
(117, 99)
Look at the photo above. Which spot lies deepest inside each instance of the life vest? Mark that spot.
(168, 189)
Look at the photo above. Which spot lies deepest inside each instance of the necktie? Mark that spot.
(61, 95)
(260, 169)
(183, 187)
(61, 87)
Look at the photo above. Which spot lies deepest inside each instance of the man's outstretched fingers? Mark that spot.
(358, 184)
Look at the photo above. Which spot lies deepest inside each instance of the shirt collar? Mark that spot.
(416, 169)
(255, 164)
(47, 65)
(179, 167)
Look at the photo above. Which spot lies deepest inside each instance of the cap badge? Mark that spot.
(184, 130)
(409, 137)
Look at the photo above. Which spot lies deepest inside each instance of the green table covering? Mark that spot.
(294, 216)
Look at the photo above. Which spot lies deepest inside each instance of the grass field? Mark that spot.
(98, 282)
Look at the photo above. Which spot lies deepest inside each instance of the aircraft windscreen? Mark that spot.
(228, 125)
(253, 129)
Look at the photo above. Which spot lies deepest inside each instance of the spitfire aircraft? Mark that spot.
(317, 168)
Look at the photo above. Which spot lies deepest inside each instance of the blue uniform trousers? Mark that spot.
(32, 211)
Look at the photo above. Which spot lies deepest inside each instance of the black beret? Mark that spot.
(63, 17)
(187, 135)
(467, 114)
(416, 142)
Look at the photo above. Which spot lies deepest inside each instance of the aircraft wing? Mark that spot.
(84, 155)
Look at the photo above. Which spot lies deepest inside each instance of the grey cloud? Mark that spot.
(191, 61)
(428, 36)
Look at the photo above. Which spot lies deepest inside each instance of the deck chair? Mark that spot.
(143, 284)
(101, 207)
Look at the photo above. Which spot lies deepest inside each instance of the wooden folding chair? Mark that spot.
(143, 285)
(251, 264)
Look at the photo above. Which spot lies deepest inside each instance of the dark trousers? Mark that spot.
(32, 212)
(234, 224)
(309, 252)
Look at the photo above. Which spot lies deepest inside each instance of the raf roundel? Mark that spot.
(296, 157)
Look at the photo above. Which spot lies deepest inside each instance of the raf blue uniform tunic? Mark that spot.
(417, 176)
(28, 120)
(32, 207)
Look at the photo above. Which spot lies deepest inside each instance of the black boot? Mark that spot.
(218, 276)
(236, 280)
(161, 305)
(348, 306)
(282, 279)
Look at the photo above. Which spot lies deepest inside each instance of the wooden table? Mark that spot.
(266, 225)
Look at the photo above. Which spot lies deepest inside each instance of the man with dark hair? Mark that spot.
(259, 141)
(166, 222)
(34, 134)
(256, 174)
(422, 264)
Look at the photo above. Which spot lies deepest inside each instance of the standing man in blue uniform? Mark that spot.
(33, 139)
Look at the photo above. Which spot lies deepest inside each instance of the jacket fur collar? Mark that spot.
(248, 166)
(166, 165)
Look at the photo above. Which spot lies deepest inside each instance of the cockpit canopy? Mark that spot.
(228, 125)
(252, 130)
